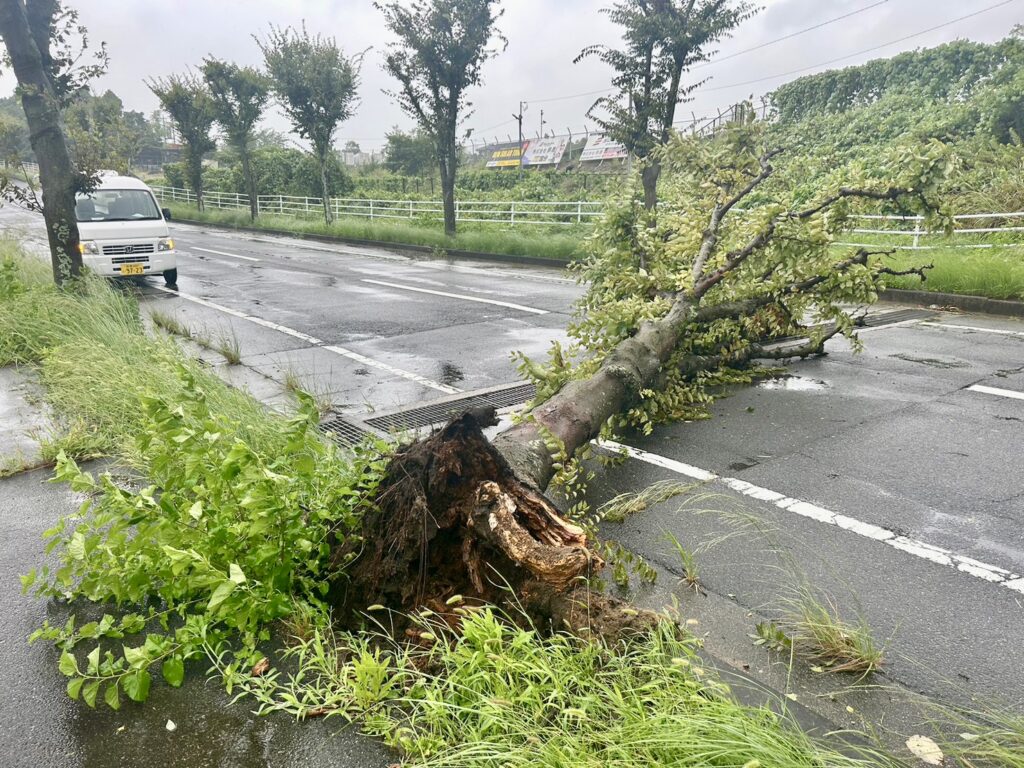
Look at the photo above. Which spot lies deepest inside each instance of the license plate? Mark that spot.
(131, 269)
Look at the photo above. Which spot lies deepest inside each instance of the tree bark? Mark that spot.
(57, 175)
(649, 178)
(446, 161)
(324, 191)
(250, 182)
(195, 176)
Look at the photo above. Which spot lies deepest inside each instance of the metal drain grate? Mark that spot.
(440, 411)
(343, 431)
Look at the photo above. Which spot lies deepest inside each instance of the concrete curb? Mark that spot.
(533, 261)
(967, 303)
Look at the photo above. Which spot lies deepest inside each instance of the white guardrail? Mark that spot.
(903, 232)
(512, 212)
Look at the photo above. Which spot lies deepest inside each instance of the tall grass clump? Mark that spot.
(95, 360)
(496, 693)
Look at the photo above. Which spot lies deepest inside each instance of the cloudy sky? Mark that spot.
(150, 38)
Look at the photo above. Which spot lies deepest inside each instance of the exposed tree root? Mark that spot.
(452, 518)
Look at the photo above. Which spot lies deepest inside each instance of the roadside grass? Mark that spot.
(95, 359)
(982, 739)
(321, 398)
(625, 505)
(688, 561)
(996, 273)
(556, 243)
(497, 693)
(820, 634)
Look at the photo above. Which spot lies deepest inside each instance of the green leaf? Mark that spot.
(236, 574)
(75, 687)
(111, 696)
(137, 658)
(196, 510)
(94, 660)
(136, 685)
(67, 664)
(220, 594)
(173, 670)
(27, 581)
(90, 691)
(76, 547)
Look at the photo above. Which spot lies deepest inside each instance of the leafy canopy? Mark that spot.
(314, 82)
(238, 96)
(443, 45)
(662, 40)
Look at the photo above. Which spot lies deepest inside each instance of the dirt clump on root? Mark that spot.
(452, 518)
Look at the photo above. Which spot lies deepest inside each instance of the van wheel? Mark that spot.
(171, 277)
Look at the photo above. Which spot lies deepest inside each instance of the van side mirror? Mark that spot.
(167, 213)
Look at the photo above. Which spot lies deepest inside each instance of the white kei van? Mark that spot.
(123, 231)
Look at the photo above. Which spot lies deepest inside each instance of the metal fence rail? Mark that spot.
(895, 232)
(510, 212)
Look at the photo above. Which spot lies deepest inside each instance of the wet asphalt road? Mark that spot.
(892, 438)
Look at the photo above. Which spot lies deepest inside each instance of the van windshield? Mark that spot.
(116, 205)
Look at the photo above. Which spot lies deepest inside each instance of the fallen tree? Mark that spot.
(457, 514)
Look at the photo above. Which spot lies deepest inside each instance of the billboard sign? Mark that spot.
(547, 151)
(504, 155)
(602, 148)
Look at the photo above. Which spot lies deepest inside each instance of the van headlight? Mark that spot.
(88, 246)
(165, 244)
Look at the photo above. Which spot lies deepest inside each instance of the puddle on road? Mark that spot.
(451, 374)
(794, 384)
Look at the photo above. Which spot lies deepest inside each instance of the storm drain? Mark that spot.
(440, 411)
(344, 432)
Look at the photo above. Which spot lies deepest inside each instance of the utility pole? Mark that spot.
(542, 123)
(519, 118)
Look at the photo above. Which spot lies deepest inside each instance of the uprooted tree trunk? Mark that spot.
(460, 515)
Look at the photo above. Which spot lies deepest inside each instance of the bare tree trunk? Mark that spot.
(324, 191)
(576, 414)
(250, 183)
(195, 177)
(448, 194)
(57, 175)
(649, 177)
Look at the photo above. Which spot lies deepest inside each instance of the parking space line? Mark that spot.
(1011, 393)
(992, 574)
(223, 253)
(999, 331)
(495, 302)
(314, 341)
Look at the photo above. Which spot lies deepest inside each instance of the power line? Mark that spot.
(791, 35)
(860, 53)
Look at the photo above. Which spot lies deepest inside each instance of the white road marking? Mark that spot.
(223, 253)
(1011, 393)
(508, 304)
(992, 574)
(1019, 334)
(313, 340)
(659, 461)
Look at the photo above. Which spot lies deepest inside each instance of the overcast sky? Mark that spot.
(150, 38)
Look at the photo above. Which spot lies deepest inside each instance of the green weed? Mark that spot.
(819, 632)
(557, 243)
(617, 509)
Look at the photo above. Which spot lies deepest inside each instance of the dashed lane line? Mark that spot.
(1011, 393)
(461, 296)
(223, 253)
(999, 331)
(314, 341)
(938, 555)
